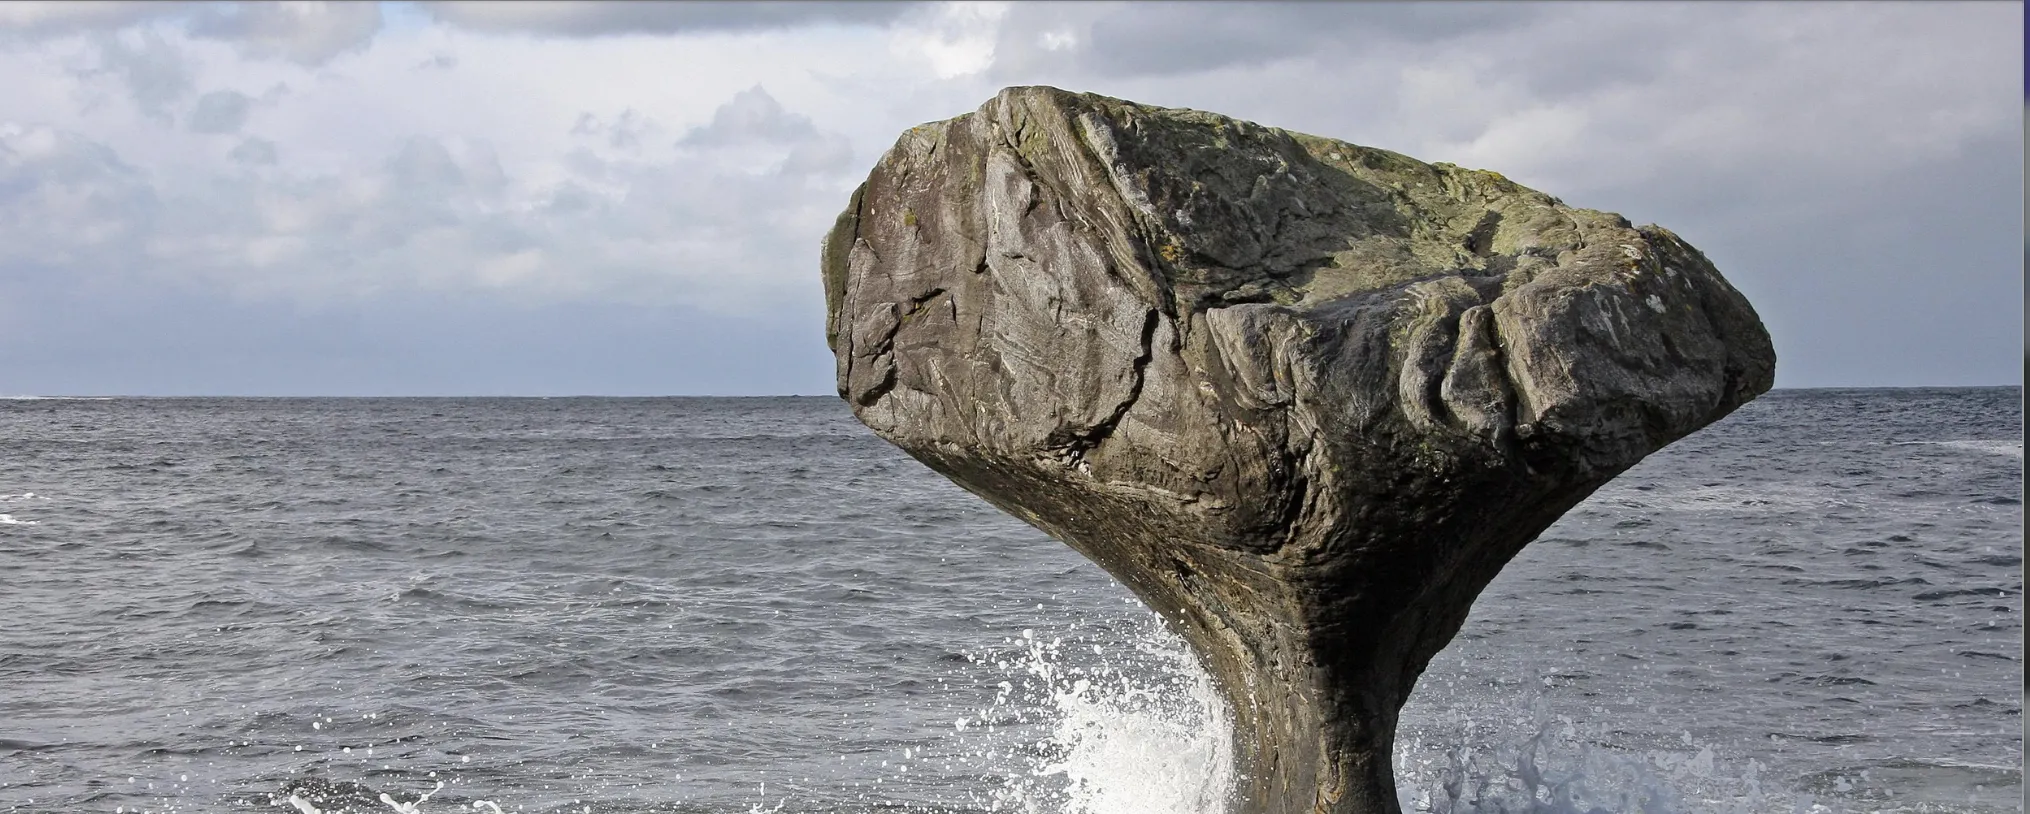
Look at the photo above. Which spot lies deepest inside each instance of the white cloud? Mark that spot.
(694, 153)
(957, 39)
(446, 213)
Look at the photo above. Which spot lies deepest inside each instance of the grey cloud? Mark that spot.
(1806, 92)
(220, 111)
(1593, 46)
(308, 33)
(1117, 40)
(435, 216)
(439, 62)
(626, 132)
(594, 19)
(255, 152)
(430, 167)
(754, 125)
(155, 73)
(572, 198)
(274, 93)
(751, 116)
(29, 20)
(1884, 275)
(1896, 278)
(1864, 205)
(438, 190)
(826, 153)
(1854, 169)
(69, 204)
(424, 162)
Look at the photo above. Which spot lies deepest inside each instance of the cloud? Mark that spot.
(1578, 99)
(155, 72)
(825, 153)
(954, 39)
(626, 132)
(1788, 141)
(1770, 92)
(596, 19)
(255, 152)
(1119, 40)
(751, 116)
(438, 62)
(425, 163)
(69, 204)
(26, 19)
(307, 33)
(1831, 158)
(703, 227)
(221, 111)
(752, 130)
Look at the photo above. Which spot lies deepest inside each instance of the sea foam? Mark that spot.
(1141, 732)
(1145, 732)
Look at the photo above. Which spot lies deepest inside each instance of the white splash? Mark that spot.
(411, 808)
(1116, 736)
(1145, 732)
(8, 520)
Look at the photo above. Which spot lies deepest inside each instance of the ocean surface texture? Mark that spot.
(754, 605)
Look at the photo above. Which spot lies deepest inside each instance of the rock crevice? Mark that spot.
(1304, 397)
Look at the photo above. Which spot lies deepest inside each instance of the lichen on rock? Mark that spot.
(1304, 397)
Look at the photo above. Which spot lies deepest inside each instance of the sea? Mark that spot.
(745, 605)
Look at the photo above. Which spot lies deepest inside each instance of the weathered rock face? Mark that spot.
(1305, 398)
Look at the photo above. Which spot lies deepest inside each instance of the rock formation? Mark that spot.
(1305, 398)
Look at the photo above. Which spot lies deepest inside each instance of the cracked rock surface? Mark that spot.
(1305, 398)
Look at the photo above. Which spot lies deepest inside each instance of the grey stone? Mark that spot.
(1305, 398)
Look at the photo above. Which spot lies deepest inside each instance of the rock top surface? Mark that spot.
(1304, 397)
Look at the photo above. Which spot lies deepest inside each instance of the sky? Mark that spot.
(585, 198)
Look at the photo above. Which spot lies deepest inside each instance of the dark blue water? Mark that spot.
(730, 605)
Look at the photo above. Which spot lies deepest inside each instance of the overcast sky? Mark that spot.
(627, 198)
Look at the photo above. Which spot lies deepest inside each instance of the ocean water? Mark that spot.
(754, 605)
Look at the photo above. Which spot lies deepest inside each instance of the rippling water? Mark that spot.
(735, 605)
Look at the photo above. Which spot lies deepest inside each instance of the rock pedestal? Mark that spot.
(1305, 398)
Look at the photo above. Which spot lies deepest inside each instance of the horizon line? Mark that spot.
(30, 397)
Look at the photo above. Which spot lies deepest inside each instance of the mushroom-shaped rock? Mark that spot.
(1305, 398)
